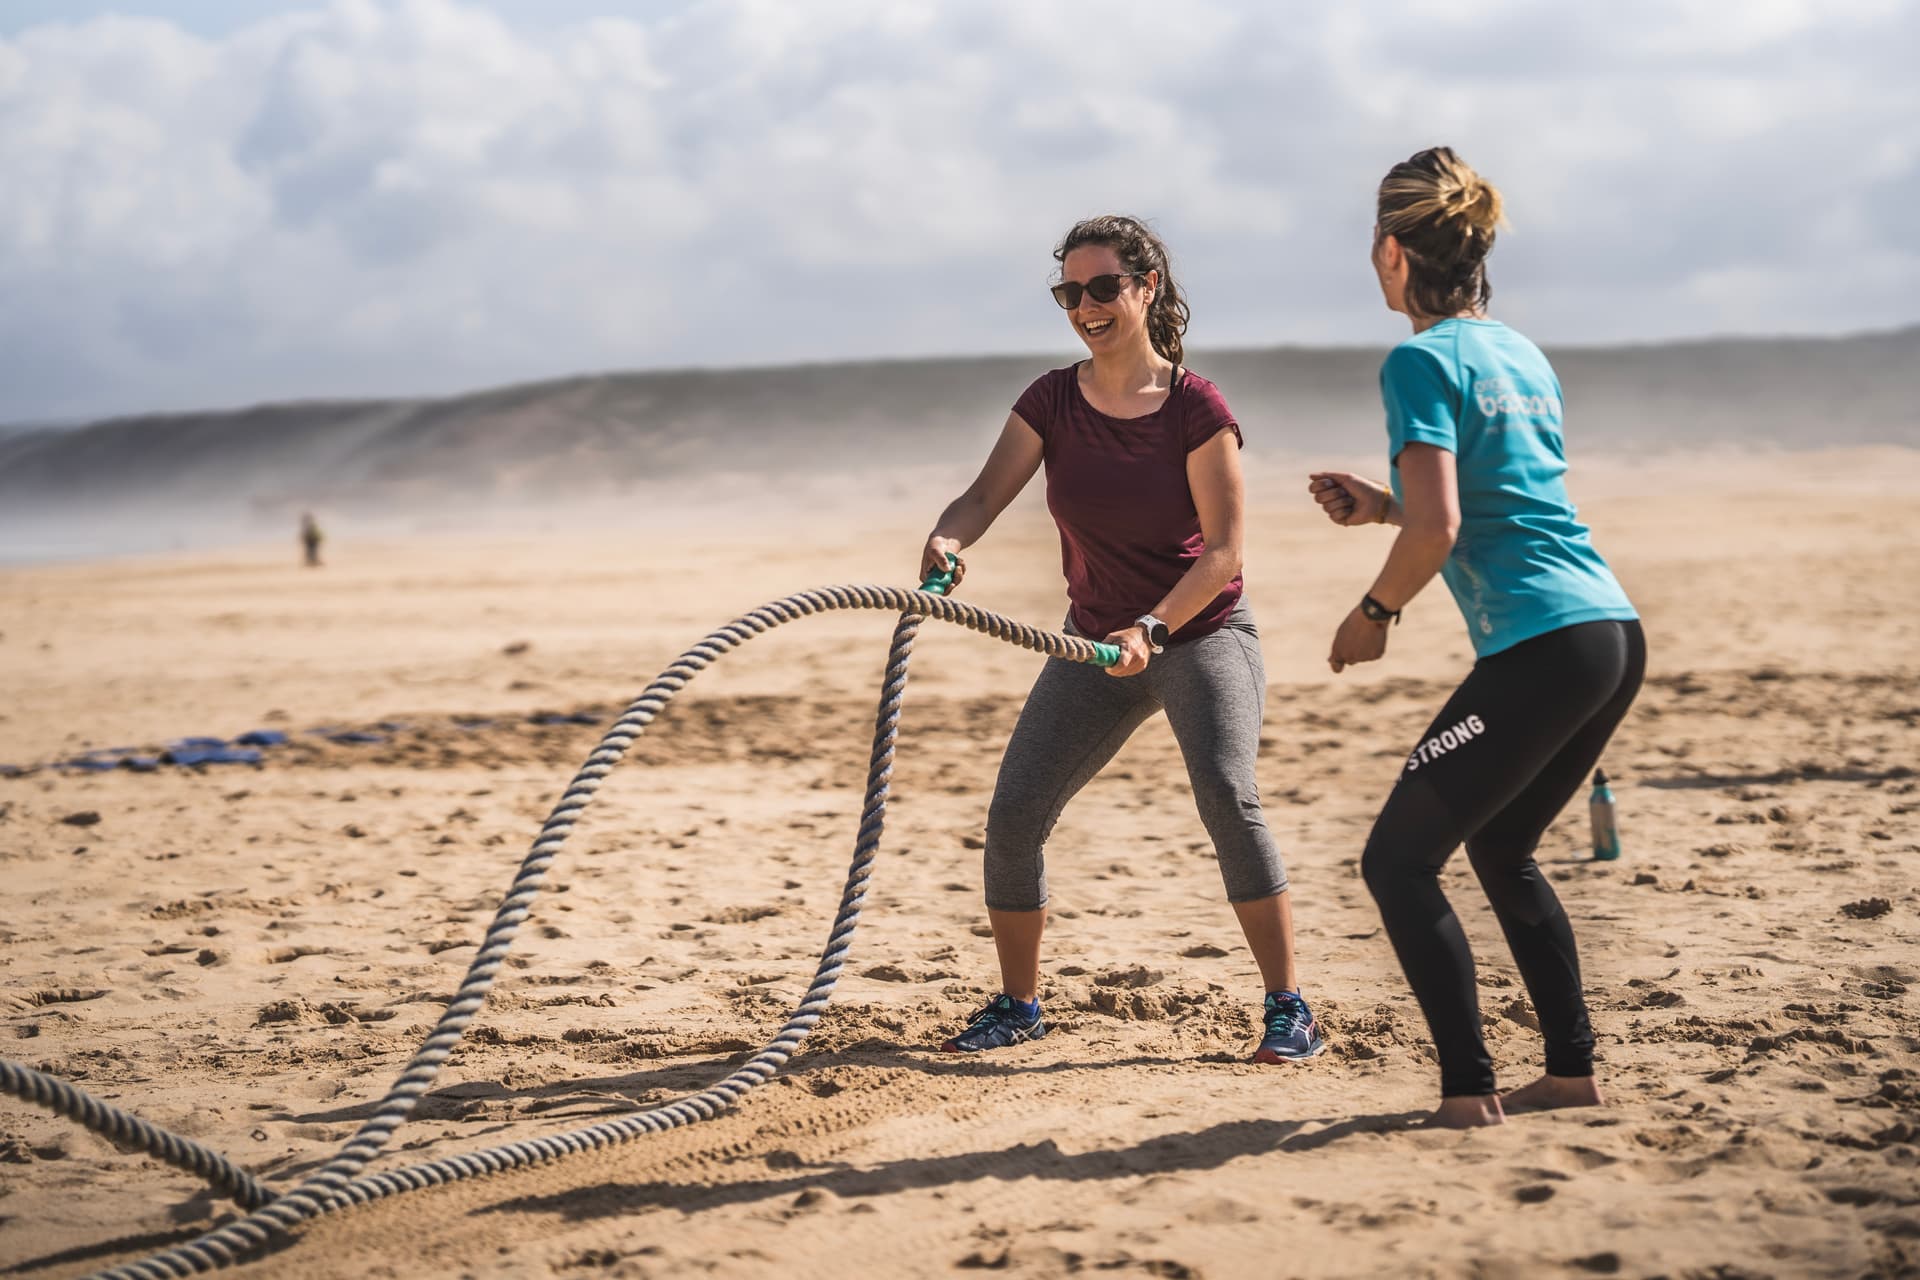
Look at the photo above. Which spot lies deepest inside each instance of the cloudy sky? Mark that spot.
(216, 202)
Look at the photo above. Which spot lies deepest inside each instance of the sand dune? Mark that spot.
(138, 484)
(249, 954)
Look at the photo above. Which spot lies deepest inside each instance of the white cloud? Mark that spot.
(417, 196)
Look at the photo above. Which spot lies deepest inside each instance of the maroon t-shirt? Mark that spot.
(1117, 488)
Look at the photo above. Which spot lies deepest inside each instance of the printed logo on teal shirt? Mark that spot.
(1498, 398)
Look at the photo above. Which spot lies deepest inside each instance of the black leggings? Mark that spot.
(1511, 747)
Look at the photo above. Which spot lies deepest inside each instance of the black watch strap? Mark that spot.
(1377, 612)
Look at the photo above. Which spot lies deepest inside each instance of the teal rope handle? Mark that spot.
(940, 584)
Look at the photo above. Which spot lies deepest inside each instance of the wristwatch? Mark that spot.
(1157, 632)
(1377, 612)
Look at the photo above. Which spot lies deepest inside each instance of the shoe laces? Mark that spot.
(1285, 1016)
(999, 1009)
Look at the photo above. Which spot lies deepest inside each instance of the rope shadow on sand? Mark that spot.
(103, 1249)
(631, 1089)
(615, 1094)
(1190, 1152)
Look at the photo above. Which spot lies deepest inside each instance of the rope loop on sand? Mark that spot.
(130, 1132)
(338, 1185)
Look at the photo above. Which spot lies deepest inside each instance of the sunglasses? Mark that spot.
(1101, 288)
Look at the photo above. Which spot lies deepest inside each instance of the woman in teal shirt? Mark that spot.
(1477, 488)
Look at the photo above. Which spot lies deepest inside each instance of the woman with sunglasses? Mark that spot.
(1478, 491)
(1143, 479)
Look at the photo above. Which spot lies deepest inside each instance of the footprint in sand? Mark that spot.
(286, 955)
(1214, 1211)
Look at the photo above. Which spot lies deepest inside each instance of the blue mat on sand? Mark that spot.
(182, 753)
(204, 750)
(99, 760)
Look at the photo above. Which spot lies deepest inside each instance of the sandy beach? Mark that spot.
(249, 954)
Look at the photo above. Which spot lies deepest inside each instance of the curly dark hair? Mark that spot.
(1139, 249)
(1444, 215)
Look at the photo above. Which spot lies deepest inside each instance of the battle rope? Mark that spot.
(130, 1131)
(334, 1186)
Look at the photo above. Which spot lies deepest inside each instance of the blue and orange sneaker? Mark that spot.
(1292, 1034)
(1003, 1022)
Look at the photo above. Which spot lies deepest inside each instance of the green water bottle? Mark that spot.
(1606, 833)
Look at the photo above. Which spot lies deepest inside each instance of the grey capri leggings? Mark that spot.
(1213, 690)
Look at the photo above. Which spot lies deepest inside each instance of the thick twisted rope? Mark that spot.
(334, 1185)
(763, 1065)
(126, 1130)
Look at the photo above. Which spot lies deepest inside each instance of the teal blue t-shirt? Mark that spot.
(1523, 565)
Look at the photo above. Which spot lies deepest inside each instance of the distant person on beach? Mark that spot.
(1143, 478)
(310, 538)
(1478, 464)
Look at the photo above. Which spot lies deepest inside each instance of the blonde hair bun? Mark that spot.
(1444, 215)
(1468, 198)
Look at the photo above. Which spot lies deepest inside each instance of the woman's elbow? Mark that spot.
(1438, 532)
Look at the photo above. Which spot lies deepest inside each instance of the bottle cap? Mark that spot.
(1599, 777)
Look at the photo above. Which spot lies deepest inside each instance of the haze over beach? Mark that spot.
(583, 329)
(622, 443)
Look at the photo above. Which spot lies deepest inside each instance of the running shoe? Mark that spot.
(1292, 1034)
(998, 1025)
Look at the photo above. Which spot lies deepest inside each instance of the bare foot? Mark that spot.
(1549, 1093)
(1467, 1113)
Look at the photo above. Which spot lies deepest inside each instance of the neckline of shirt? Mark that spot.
(1180, 373)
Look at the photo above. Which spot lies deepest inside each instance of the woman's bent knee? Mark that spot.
(1410, 840)
(1016, 827)
(1396, 867)
(1013, 869)
(1384, 874)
